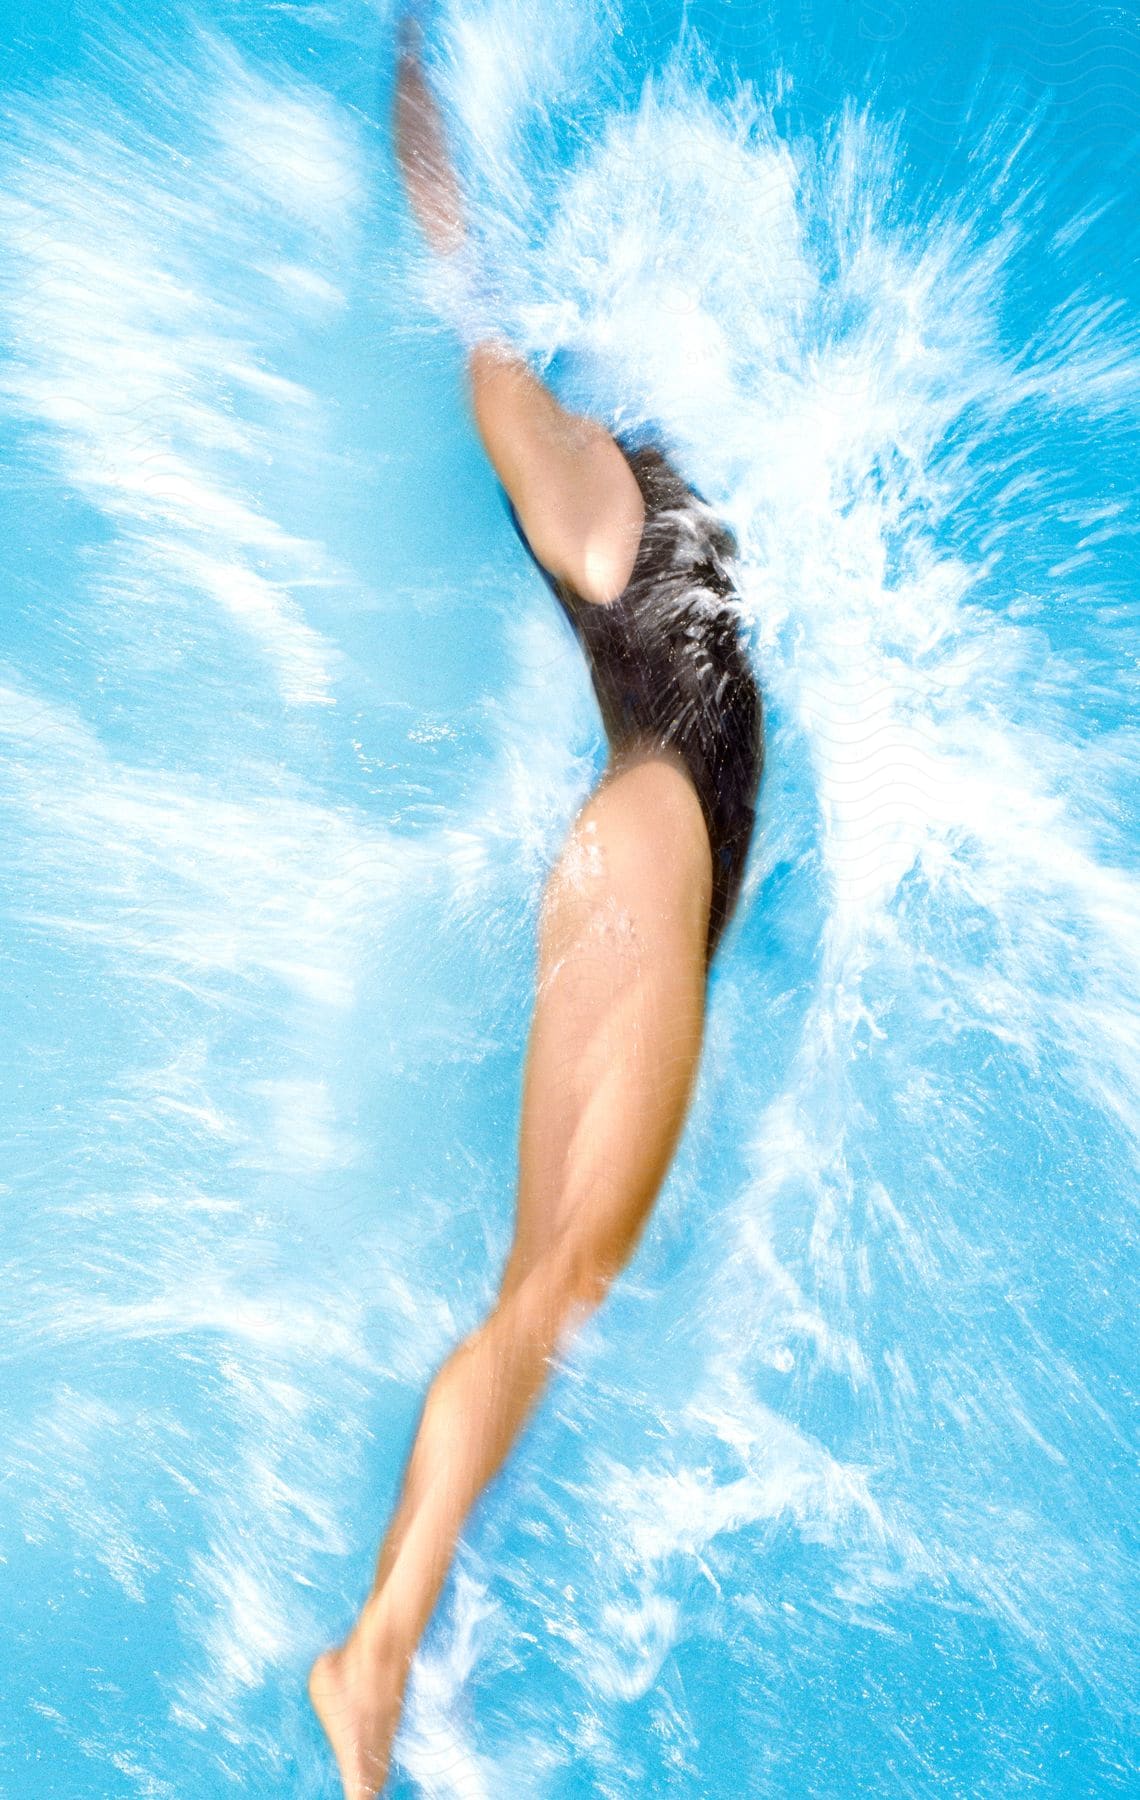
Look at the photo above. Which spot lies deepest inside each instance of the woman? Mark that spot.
(631, 917)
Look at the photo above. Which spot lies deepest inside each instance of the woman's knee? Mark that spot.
(547, 1297)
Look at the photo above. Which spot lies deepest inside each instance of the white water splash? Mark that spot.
(877, 1401)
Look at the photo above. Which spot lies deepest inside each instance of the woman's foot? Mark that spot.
(358, 1694)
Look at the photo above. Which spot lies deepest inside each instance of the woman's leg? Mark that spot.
(613, 1053)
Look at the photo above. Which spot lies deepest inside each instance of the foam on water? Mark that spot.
(841, 1481)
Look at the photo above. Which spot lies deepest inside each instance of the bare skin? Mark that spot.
(614, 1043)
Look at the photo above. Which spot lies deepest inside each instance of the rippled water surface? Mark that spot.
(838, 1494)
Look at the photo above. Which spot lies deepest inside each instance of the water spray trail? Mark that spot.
(844, 1470)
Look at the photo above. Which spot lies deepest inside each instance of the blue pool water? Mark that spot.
(838, 1494)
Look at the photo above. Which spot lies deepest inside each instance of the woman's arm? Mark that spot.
(421, 148)
(570, 485)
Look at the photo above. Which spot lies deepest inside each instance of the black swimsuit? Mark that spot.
(670, 668)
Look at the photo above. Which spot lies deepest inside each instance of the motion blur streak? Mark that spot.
(838, 1493)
